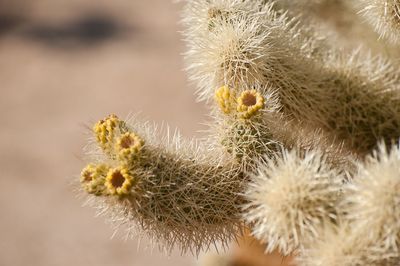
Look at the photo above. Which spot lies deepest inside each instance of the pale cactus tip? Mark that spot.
(290, 197)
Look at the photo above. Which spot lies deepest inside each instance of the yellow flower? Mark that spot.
(249, 102)
(92, 178)
(119, 181)
(128, 144)
(225, 99)
(105, 131)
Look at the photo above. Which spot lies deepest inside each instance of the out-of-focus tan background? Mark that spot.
(63, 65)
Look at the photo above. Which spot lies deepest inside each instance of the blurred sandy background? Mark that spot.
(63, 65)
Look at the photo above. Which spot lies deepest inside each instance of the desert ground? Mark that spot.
(63, 65)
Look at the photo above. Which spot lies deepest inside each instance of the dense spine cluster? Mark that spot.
(290, 198)
(384, 16)
(369, 230)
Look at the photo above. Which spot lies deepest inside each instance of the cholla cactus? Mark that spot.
(251, 128)
(250, 44)
(290, 154)
(369, 231)
(241, 123)
(179, 191)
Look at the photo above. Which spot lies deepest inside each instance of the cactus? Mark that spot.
(253, 46)
(368, 232)
(177, 190)
(301, 149)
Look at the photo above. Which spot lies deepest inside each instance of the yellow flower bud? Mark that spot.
(225, 99)
(128, 145)
(105, 131)
(119, 181)
(92, 178)
(249, 102)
